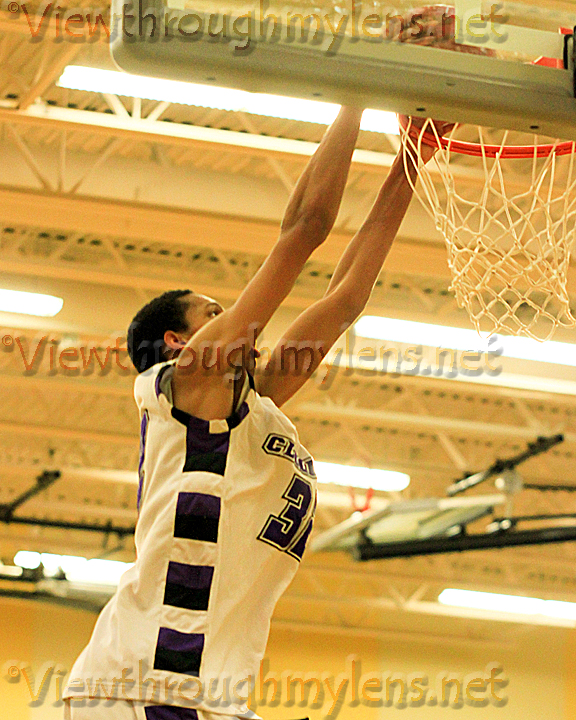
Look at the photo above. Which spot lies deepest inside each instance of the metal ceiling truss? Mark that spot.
(61, 220)
(446, 531)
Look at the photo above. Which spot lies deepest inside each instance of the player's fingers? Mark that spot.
(411, 120)
(445, 127)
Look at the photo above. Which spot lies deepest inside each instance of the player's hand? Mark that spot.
(419, 125)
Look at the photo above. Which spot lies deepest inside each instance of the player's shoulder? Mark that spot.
(148, 384)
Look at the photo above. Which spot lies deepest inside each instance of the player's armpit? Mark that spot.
(227, 340)
(206, 396)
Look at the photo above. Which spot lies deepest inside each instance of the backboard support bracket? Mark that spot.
(570, 57)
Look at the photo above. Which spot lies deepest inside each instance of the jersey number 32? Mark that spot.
(289, 531)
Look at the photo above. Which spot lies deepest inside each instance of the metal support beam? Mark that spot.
(43, 482)
(116, 105)
(107, 529)
(542, 445)
(68, 434)
(30, 159)
(433, 546)
(180, 135)
(50, 75)
(432, 423)
(171, 226)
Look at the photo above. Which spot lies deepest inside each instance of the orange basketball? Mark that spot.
(435, 26)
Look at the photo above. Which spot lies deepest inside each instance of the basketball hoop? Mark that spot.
(367, 502)
(508, 235)
(508, 218)
(481, 149)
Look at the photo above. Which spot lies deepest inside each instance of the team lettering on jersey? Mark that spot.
(282, 446)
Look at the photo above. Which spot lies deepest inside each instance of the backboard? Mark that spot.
(348, 51)
(437, 525)
(406, 520)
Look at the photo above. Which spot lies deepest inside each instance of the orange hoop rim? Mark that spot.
(492, 151)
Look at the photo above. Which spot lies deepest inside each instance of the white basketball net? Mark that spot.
(508, 235)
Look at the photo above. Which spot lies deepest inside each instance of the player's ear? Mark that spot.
(173, 340)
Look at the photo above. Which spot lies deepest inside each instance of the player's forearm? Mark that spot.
(394, 197)
(317, 196)
(364, 257)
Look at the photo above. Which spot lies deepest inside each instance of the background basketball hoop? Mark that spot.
(367, 500)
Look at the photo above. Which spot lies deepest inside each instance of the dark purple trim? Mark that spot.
(179, 652)
(169, 712)
(198, 505)
(188, 586)
(205, 451)
(194, 577)
(197, 517)
(143, 432)
(199, 439)
(235, 419)
(169, 639)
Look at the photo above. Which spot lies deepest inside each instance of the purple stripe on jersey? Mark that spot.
(188, 586)
(194, 577)
(169, 712)
(197, 517)
(199, 439)
(198, 505)
(143, 431)
(192, 643)
(179, 652)
(205, 451)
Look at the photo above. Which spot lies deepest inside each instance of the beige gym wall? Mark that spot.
(539, 664)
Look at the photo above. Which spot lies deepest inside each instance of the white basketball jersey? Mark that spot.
(225, 510)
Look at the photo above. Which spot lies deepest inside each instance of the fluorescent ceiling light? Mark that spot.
(76, 569)
(361, 477)
(27, 303)
(77, 77)
(441, 336)
(27, 559)
(507, 603)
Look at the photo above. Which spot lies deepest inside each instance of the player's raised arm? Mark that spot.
(310, 338)
(309, 218)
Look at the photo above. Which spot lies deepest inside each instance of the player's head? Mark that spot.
(163, 326)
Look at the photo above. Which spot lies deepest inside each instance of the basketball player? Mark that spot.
(227, 492)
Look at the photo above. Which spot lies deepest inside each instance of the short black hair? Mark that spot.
(147, 329)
